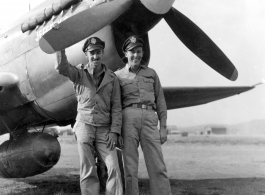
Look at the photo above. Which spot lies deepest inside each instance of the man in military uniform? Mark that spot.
(143, 105)
(99, 117)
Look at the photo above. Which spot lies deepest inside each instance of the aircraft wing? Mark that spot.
(181, 97)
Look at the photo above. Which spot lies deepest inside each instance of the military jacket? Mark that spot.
(143, 87)
(96, 106)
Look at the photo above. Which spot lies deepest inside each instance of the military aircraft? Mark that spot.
(33, 94)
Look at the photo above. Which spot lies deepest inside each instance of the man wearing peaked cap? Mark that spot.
(143, 104)
(132, 42)
(99, 116)
(93, 44)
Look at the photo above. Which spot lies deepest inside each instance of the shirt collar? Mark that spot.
(91, 70)
(128, 68)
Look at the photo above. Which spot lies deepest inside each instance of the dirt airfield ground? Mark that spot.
(197, 165)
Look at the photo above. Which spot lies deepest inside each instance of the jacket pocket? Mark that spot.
(126, 82)
(127, 87)
(148, 84)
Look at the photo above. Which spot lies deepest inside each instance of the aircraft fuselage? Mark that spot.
(42, 95)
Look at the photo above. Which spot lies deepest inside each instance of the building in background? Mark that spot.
(215, 130)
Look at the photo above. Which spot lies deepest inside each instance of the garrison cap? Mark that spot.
(132, 42)
(93, 43)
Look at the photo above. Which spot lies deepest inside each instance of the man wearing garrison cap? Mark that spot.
(143, 106)
(99, 116)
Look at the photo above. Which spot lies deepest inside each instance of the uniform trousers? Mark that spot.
(140, 126)
(90, 138)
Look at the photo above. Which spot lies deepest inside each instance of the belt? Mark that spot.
(143, 106)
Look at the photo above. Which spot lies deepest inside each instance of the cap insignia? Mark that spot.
(93, 41)
(133, 40)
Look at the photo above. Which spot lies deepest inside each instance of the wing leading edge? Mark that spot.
(181, 97)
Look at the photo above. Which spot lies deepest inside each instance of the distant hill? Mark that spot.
(255, 127)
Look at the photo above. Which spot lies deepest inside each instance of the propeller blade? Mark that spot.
(200, 44)
(82, 25)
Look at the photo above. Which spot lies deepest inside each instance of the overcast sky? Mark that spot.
(236, 26)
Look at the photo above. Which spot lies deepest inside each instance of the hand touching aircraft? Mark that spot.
(33, 94)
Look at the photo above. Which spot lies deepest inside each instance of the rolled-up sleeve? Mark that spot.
(160, 103)
(63, 67)
(116, 109)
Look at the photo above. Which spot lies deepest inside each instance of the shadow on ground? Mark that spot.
(69, 185)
